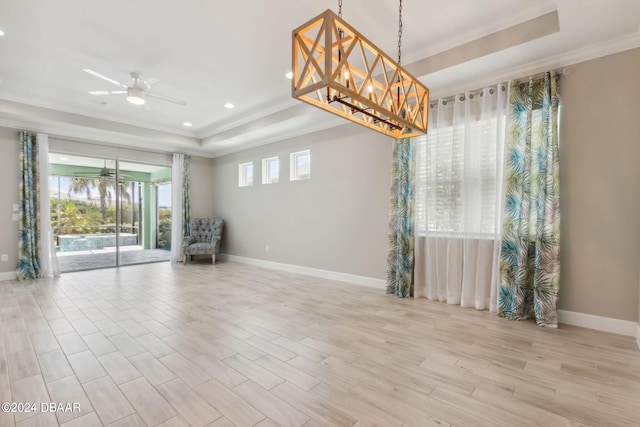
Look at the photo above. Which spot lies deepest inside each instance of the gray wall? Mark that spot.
(10, 150)
(336, 221)
(600, 176)
(200, 179)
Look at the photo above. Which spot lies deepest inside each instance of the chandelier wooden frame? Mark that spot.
(337, 69)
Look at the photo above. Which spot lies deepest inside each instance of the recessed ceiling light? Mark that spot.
(1, 33)
(188, 124)
(289, 75)
(229, 105)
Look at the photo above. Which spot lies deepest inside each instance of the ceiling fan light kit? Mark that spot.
(337, 69)
(135, 96)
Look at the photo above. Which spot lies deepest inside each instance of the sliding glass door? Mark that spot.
(82, 216)
(104, 212)
(139, 227)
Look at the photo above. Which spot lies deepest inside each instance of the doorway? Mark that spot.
(104, 212)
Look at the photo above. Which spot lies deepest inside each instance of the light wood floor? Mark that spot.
(230, 344)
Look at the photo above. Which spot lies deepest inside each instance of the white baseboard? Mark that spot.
(308, 271)
(599, 323)
(7, 275)
(605, 324)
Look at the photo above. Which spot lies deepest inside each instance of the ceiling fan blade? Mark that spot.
(107, 92)
(166, 98)
(100, 76)
(151, 81)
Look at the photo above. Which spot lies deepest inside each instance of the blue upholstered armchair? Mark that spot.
(204, 239)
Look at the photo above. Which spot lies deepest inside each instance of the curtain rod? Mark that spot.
(559, 71)
(462, 96)
(446, 99)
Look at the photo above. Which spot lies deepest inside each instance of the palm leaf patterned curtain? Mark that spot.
(186, 197)
(181, 202)
(530, 263)
(29, 223)
(400, 245)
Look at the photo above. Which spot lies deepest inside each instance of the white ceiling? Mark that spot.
(212, 52)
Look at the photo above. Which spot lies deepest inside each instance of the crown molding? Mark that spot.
(557, 62)
(20, 103)
(60, 124)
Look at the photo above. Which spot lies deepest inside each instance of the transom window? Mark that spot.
(300, 165)
(245, 174)
(270, 170)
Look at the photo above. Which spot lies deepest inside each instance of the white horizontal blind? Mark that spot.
(459, 166)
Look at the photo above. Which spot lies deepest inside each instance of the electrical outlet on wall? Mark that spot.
(4, 258)
(266, 249)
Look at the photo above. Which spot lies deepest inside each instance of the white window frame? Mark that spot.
(244, 178)
(294, 173)
(266, 169)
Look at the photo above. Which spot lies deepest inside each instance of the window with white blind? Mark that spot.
(457, 182)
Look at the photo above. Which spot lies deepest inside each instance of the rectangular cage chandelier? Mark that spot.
(337, 69)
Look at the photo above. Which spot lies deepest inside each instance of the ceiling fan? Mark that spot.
(105, 174)
(136, 92)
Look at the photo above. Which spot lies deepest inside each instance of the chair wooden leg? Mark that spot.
(213, 258)
(184, 259)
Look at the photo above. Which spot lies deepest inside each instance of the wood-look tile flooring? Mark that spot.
(231, 344)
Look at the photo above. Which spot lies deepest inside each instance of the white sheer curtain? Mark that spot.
(459, 197)
(48, 260)
(177, 206)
